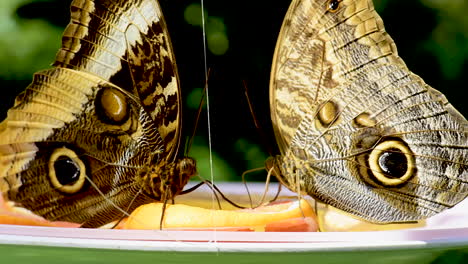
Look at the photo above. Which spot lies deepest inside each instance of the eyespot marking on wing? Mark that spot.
(67, 172)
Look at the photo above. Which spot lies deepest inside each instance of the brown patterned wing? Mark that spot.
(100, 131)
(356, 128)
(321, 45)
(127, 43)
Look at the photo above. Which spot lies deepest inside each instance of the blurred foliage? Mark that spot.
(26, 44)
(431, 35)
(452, 257)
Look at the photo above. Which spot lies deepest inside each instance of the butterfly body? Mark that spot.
(99, 133)
(357, 129)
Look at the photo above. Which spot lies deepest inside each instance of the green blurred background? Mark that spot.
(432, 37)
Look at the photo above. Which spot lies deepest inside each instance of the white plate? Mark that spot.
(446, 236)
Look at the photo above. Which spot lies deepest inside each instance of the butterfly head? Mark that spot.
(166, 180)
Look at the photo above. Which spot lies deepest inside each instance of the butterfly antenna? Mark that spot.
(208, 183)
(188, 146)
(107, 199)
(265, 143)
(191, 189)
(215, 190)
(319, 229)
(244, 181)
(260, 131)
(298, 192)
(278, 191)
(267, 185)
(214, 187)
(163, 212)
(128, 208)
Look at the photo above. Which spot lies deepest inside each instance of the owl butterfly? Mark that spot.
(101, 129)
(356, 129)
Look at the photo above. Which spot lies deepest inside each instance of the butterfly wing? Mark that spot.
(317, 50)
(74, 143)
(355, 127)
(127, 43)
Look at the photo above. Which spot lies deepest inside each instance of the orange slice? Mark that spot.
(286, 216)
(334, 220)
(11, 215)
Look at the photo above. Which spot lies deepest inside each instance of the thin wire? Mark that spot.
(207, 103)
(207, 90)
